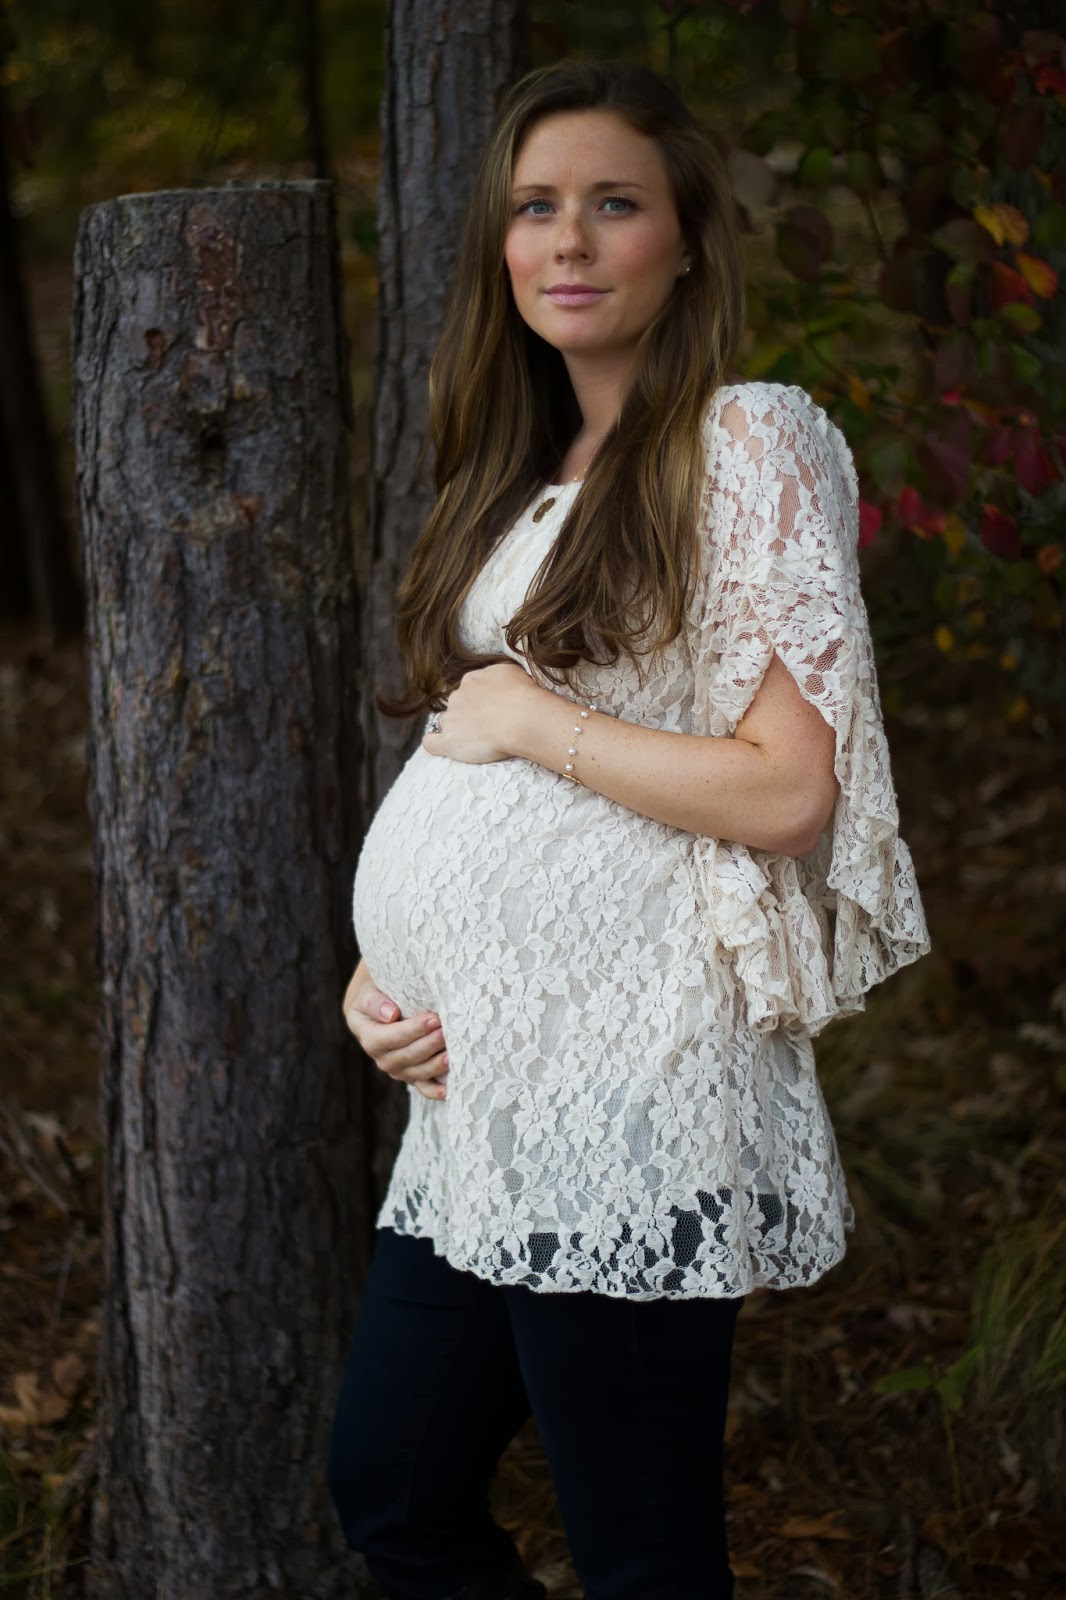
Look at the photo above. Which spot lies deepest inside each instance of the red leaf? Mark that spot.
(946, 455)
(870, 520)
(1000, 445)
(1033, 466)
(1049, 79)
(1007, 286)
(999, 534)
(912, 507)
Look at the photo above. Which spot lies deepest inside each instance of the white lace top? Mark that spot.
(632, 1103)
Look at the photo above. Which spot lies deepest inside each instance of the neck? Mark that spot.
(599, 386)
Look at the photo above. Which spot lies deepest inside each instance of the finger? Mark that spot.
(435, 1067)
(378, 1036)
(372, 1003)
(433, 1087)
(416, 1059)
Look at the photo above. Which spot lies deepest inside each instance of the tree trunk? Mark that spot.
(447, 63)
(210, 413)
(46, 557)
(311, 64)
(16, 600)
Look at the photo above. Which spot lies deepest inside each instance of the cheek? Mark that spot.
(519, 259)
(652, 261)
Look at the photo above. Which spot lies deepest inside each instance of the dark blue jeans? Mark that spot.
(629, 1400)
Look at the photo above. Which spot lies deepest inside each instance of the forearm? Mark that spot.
(724, 788)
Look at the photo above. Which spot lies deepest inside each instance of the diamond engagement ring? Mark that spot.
(433, 725)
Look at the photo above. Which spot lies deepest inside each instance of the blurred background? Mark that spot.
(899, 1429)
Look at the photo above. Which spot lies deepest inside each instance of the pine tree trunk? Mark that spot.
(46, 585)
(210, 413)
(447, 63)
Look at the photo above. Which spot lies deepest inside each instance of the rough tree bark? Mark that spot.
(43, 565)
(447, 63)
(210, 413)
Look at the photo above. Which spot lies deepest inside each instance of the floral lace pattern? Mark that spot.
(632, 1100)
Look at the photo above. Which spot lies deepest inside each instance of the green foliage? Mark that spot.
(903, 172)
(906, 269)
(1019, 1320)
(1012, 1377)
(122, 97)
(949, 1385)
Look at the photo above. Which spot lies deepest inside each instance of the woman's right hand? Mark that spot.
(409, 1049)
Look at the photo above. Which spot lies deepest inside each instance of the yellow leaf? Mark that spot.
(1005, 223)
(954, 532)
(989, 221)
(945, 639)
(859, 393)
(1039, 275)
(1019, 707)
(1007, 661)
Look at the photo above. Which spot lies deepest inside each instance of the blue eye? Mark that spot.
(618, 200)
(527, 209)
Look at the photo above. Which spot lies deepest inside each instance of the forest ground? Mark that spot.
(949, 1100)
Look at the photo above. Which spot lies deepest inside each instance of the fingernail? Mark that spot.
(444, 1060)
(431, 1023)
(385, 1011)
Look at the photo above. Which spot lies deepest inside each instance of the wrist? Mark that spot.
(536, 712)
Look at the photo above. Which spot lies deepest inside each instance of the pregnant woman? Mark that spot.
(647, 848)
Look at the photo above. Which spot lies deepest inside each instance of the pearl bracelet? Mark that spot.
(579, 728)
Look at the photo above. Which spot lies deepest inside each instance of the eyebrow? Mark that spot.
(611, 183)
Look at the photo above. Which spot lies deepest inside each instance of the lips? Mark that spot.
(575, 294)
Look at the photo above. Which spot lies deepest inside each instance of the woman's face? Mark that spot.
(594, 247)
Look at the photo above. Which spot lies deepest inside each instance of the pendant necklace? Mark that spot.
(546, 505)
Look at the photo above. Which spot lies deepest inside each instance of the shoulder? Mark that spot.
(775, 424)
(780, 476)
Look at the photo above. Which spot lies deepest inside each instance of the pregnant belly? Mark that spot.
(506, 874)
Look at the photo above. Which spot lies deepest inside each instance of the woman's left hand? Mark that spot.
(482, 714)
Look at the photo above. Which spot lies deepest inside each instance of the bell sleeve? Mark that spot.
(807, 936)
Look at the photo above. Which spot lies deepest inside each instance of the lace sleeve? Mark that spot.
(810, 935)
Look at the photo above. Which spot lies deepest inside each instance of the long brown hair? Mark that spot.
(503, 413)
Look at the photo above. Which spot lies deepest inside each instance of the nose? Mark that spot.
(572, 240)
